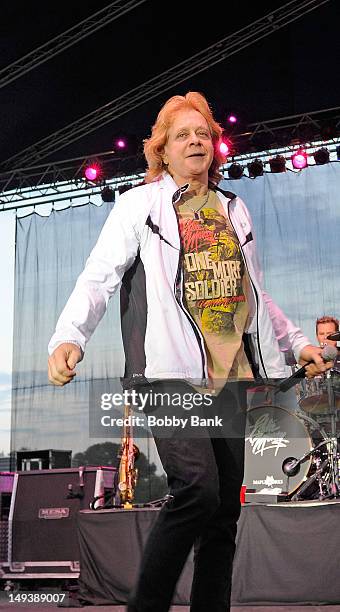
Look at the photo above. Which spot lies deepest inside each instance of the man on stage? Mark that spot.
(329, 326)
(207, 323)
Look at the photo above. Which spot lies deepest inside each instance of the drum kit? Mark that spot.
(294, 450)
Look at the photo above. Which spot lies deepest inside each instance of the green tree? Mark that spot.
(149, 486)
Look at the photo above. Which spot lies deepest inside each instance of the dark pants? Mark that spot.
(204, 474)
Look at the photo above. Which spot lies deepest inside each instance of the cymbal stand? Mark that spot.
(334, 468)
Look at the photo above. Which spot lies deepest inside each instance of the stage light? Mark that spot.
(108, 194)
(255, 168)
(120, 143)
(92, 172)
(232, 118)
(235, 171)
(125, 144)
(299, 159)
(321, 156)
(224, 148)
(278, 164)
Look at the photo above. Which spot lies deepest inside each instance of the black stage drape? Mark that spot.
(286, 553)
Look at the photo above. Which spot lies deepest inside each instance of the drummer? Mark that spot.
(324, 327)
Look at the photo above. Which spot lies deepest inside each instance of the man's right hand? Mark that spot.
(62, 362)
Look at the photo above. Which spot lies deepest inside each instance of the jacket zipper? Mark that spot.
(255, 293)
(178, 292)
(178, 296)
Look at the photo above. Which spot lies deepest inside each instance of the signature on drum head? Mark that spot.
(260, 439)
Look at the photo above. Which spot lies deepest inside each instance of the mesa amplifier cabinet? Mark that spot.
(42, 528)
(6, 487)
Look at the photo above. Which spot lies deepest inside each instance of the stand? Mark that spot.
(327, 469)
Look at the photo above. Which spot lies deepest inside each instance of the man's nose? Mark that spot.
(194, 138)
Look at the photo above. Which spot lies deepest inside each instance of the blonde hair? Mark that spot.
(154, 146)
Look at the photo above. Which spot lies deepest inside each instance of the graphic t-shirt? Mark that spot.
(215, 285)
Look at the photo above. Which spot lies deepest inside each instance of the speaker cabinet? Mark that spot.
(49, 459)
(42, 534)
(6, 486)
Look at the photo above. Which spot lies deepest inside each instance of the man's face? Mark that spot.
(189, 149)
(324, 330)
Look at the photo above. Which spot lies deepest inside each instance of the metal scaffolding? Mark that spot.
(54, 184)
(199, 62)
(63, 41)
(22, 184)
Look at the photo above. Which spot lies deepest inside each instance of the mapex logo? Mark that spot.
(269, 481)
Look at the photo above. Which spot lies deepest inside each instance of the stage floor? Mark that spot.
(285, 551)
(290, 608)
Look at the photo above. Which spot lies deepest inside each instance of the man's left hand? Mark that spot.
(319, 366)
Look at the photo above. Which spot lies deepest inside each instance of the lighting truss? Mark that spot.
(65, 40)
(20, 181)
(199, 62)
(265, 156)
(292, 129)
(71, 189)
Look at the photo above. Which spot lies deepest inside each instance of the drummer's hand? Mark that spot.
(319, 366)
(62, 362)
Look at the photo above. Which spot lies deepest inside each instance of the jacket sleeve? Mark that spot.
(288, 335)
(113, 253)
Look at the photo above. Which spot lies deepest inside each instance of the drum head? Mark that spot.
(315, 404)
(314, 395)
(272, 435)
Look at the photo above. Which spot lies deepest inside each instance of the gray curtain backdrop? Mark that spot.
(297, 225)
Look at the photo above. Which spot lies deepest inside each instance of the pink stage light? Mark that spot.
(299, 159)
(120, 143)
(224, 148)
(92, 172)
(232, 119)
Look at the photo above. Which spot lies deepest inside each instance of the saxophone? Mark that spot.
(128, 454)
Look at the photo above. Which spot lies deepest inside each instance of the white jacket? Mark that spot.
(144, 222)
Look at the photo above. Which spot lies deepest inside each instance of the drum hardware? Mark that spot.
(273, 430)
(291, 467)
(333, 417)
(326, 473)
(313, 395)
(318, 477)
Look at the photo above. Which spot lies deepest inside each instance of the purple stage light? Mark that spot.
(120, 143)
(232, 119)
(299, 159)
(92, 172)
(224, 148)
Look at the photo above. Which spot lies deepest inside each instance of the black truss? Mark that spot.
(65, 40)
(199, 62)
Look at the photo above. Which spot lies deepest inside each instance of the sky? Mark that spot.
(288, 72)
(291, 71)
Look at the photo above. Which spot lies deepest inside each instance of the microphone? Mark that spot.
(328, 353)
(335, 336)
(291, 466)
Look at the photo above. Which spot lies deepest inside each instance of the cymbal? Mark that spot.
(335, 336)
